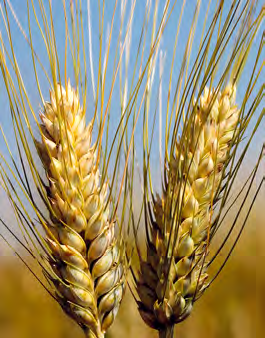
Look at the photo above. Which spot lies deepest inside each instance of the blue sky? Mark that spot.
(23, 55)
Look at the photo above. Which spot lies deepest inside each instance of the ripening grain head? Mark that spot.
(84, 254)
(204, 128)
(66, 207)
(175, 274)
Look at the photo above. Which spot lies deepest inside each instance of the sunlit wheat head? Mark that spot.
(65, 168)
(205, 132)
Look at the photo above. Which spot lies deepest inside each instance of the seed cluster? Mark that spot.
(86, 260)
(174, 273)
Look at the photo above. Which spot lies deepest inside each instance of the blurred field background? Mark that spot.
(233, 307)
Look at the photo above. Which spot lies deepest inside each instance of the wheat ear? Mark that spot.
(173, 275)
(89, 273)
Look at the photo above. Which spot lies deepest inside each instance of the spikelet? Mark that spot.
(89, 273)
(173, 275)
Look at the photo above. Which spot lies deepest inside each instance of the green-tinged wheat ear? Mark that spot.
(173, 275)
(86, 258)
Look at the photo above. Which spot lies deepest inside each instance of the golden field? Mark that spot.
(232, 308)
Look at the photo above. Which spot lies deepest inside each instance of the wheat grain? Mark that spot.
(173, 274)
(85, 256)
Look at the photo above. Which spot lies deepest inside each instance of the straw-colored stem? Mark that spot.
(90, 334)
(167, 332)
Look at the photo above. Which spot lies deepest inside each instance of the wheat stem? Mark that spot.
(90, 334)
(167, 332)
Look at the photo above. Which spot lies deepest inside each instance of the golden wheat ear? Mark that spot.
(83, 258)
(202, 158)
(86, 259)
(67, 204)
(201, 161)
(80, 251)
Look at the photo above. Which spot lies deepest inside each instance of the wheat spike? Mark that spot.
(173, 275)
(82, 262)
(85, 256)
